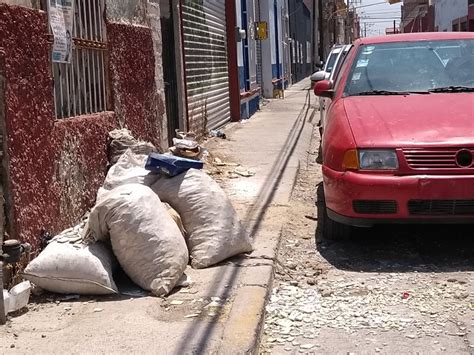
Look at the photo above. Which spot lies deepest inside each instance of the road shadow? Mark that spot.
(400, 248)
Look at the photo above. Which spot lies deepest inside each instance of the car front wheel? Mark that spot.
(329, 229)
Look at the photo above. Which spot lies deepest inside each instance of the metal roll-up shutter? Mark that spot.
(206, 65)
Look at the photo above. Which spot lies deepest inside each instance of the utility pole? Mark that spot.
(365, 29)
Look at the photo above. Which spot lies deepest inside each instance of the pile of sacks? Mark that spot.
(151, 224)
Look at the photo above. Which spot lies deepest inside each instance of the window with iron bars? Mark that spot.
(81, 86)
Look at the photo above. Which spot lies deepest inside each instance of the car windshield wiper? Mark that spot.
(453, 88)
(386, 92)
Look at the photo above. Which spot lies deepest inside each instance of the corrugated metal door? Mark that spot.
(206, 65)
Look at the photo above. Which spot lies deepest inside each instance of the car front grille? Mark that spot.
(441, 207)
(374, 206)
(434, 158)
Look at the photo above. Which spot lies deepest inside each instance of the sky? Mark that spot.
(377, 16)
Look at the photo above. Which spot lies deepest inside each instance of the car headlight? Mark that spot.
(374, 159)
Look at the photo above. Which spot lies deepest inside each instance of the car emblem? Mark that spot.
(464, 158)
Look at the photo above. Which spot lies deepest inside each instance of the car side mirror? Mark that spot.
(318, 76)
(324, 88)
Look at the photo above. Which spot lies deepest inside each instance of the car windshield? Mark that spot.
(331, 61)
(410, 67)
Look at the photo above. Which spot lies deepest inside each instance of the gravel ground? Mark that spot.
(390, 289)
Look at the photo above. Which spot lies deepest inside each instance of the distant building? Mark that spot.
(418, 16)
(454, 15)
(437, 15)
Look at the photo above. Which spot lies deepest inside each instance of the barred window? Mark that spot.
(80, 87)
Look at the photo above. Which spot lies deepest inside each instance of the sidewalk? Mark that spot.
(270, 144)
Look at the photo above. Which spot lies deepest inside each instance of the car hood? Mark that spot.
(411, 120)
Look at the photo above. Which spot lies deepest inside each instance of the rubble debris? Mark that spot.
(304, 310)
(219, 162)
(217, 133)
(186, 148)
(193, 315)
(184, 281)
(185, 135)
(176, 303)
(243, 172)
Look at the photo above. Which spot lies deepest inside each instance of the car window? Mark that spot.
(331, 60)
(412, 66)
(340, 61)
(343, 68)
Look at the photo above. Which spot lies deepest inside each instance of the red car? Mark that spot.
(398, 141)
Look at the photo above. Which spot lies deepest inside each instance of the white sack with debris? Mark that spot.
(122, 140)
(73, 268)
(214, 231)
(145, 239)
(129, 169)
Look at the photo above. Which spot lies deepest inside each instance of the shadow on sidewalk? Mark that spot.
(198, 333)
(400, 248)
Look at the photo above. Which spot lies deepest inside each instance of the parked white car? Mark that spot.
(325, 72)
(329, 72)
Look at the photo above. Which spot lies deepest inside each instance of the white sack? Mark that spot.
(130, 169)
(146, 241)
(122, 139)
(73, 268)
(176, 218)
(214, 231)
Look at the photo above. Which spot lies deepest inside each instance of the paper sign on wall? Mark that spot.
(61, 17)
(262, 30)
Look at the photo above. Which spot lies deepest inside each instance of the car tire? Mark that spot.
(329, 229)
(333, 230)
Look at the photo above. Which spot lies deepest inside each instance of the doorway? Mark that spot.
(169, 68)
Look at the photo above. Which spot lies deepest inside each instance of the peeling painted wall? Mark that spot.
(129, 11)
(26, 3)
(28, 123)
(137, 103)
(55, 167)
(2, 133)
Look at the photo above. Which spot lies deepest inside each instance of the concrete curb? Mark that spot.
(244, 327)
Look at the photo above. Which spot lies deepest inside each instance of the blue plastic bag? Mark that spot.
(171, 165)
